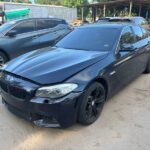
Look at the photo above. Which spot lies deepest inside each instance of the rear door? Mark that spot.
(62, 29)
(25, 39)
(49, 31)
(142, 47)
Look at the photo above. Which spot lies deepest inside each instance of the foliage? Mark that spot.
(68, 3)
(50, 2)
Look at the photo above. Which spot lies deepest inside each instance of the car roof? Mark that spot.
(138, 17)
(134, 17)
(28, 19)
(105, 18)
(108, 25)
(119, 17)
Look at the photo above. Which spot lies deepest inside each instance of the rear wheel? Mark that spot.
(92, 104)
(3, 59)
(148, 67)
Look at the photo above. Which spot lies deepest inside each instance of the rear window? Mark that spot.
(90, 39)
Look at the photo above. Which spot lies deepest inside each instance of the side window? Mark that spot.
(25, 27)
(145, 33)
(127, 37)
(57, 22)
(63, 22)
(138, 33)
(46, 24)
(42, 24)
(53, 23)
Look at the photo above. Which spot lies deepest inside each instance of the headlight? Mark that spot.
(56, 91)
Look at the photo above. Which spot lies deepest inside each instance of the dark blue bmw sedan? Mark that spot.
(70, 82)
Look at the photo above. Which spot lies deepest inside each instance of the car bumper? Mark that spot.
(43, 112)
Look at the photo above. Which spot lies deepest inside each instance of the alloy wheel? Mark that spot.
(95, 103)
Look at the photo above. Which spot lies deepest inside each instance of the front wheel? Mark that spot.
(92, 103)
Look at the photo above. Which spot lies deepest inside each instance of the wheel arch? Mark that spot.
(104, 83)
(3, 51)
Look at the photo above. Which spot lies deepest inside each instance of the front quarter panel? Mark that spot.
(99, 70)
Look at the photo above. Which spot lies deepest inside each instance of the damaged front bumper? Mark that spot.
(43, 112)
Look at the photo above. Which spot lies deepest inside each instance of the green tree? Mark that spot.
(50, 2)
(102, 0)
(68, 3)
(73, 3)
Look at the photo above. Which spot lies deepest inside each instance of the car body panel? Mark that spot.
(57, 63)
(51, 36)
(19, 44)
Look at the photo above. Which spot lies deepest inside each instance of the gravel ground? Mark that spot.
(124, 124)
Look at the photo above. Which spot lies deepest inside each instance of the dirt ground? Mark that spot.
(123, 125)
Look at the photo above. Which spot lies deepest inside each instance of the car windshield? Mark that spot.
(6, 26)
(90, 39)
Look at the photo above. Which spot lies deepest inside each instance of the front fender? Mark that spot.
(91, 74)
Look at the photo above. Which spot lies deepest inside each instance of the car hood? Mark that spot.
(52, 65)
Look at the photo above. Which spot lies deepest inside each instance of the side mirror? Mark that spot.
(127, 47)
(11, 33)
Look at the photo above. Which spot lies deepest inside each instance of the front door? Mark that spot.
(25, 40)
(125, 67)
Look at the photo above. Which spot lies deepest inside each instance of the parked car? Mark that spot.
(71, 81)
(103, 19)
(77, 23)
(21, 36)
(137, 20)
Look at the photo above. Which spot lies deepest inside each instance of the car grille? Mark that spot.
(4, 86)
(17, 87)
(17, 92)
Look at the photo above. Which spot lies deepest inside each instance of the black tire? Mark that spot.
(3, 58)
(147, 70)
(92, 104)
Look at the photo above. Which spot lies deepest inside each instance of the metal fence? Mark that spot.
(69, 14)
